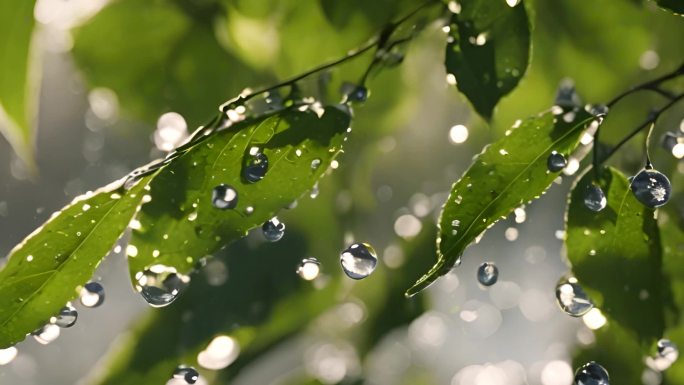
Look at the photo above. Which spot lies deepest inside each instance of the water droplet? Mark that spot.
(556, 162)
(358, 260)
(355, 93)
(314, 191)
(572, 299)
(594, 198)
(566, 96)
(273, 230)
(8, 355)
(46, 334)
(591, 373)
(309, 268)
(651, 188)
(92, 294)
(598, 110)
(67, 317)
(668, 350)
(487, 274)
(224, 197)
(256, 166)
(160, 285)
(315, 164)
(186, 373)
(220, 353)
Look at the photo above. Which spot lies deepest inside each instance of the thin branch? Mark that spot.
(650, 85)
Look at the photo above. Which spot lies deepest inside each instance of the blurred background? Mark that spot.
(109, 70)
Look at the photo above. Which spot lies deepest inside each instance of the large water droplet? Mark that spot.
(309, 268)
(160, 285)
(487, 274)
(359, 260)
(67, 317)
(46, 334)
(92, 294)
(556, 162)
(256, 166)
(186, 373)
(591, 373)
(594, 198)
(668, 350)
(224, 197)
(572, 299)
(273, 230)
(651, 188)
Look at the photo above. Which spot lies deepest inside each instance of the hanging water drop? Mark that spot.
(487, 274)
(46, 334)
(255, 166)
(309, 268)
(599, 110)
(359, 260)
(355, 93)
(273, 230)
(591, 373)
(594, 198)
(572, 299)
(224, 197)
(556, 162)
(8, 355)
(160, 285)
(92, 294)
(651, 188)
(67, 317)
(667, 350)
(186, 373)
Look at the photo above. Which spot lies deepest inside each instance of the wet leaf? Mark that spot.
(180, 225)
(508, 173)
(18, 83)
(621, 241)
(44, 271)
(488, 50)
(674, 6)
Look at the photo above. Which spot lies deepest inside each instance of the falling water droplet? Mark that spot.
(256, 166)
(92, 294)
(67, 317)
(160, 285)
(487, 274)
(309, 268)
(591, 373)
(273, 230)
(668, 350)
(572, 299)
(186, 373)
(224, 197)
(358, 260)
(46, 334)
(651, 188)
(556, 162)
(594, 198)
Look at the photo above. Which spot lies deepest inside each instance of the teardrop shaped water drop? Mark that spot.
(358, 260)
(256, 166)
(556, 162)
(224, 197)
(594, 198)
(273, 230)
(591, 373)
(668, 350)
(67, 317)
(309, 268)
(487, 274)
(46, 334)
(160, 285)
(651, 187)
(572, 299)
(186, 373)
(92, 294)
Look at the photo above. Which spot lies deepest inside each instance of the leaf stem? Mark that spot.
(652, 85)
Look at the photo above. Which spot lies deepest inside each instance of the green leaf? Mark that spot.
(180, 225)
(508, 173)
(45, 270)
(616, 255)
(674, 6)
(18, 80)
(488, 50)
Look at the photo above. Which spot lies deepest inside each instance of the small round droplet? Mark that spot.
(591, 373)
(224, 197)
(651, 188)
(92, 294)
(668, 350)
(599, 110)
(572, 299)
(256, 167)
(315, 164)
(160, 285)
(273, 230)
(487, 274)
(358, 94)
(186, 373)
(556, 162)
(594, 198)
(309, 268)
(359, 260)
(67, 317)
